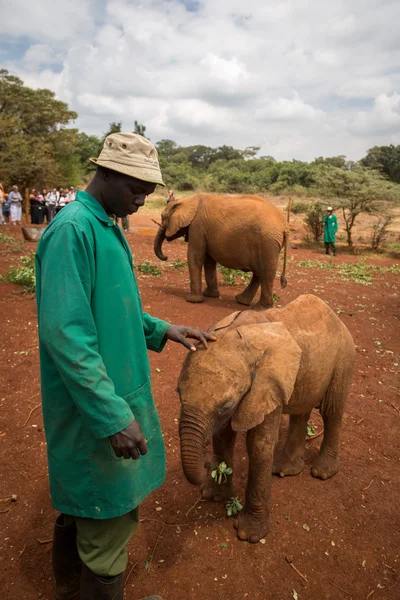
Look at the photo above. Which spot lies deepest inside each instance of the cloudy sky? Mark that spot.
(300, 78)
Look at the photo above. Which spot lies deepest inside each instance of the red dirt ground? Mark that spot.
(351, 549)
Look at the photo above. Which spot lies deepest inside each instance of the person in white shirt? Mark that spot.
(52, 199)
(71, 194)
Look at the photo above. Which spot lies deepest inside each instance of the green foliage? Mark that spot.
(315, 220)
(219, 473)
(178, 264)
(230, 276)
(299, 207)
(385, 159)
(148, 269)
(10, 243)
(233, 506)
(24, 274)
(36, 148)
(310, 430)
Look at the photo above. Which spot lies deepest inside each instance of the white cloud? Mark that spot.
(294, 76)
(383, 119)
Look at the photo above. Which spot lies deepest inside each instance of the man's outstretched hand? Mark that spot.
(129, 442)
(181, 335)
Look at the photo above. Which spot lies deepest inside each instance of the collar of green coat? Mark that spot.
(94, 206)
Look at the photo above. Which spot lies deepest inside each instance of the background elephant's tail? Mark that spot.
(285, 247)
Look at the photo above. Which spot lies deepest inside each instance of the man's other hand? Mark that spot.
(129, 442)
(181, 335)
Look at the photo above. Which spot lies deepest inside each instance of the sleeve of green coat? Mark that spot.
(154, 331)
(68, 331)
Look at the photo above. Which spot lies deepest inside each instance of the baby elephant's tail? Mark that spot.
(285, 246)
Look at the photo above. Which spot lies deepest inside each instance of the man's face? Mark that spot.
(124, 195)
(15, 188)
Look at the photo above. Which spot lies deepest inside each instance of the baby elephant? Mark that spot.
(263, 364)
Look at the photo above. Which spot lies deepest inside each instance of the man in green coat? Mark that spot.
(330, 229)
(104, 442)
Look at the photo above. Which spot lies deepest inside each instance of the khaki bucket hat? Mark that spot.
(131, 154)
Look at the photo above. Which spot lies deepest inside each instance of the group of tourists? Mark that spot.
(44, 205)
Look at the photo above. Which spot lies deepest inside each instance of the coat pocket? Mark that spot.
(143, 408)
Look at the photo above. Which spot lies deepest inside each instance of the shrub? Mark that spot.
(315, 220)
(298, 207)
(380, 230)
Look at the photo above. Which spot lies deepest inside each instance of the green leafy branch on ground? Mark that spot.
(230, 276)
(148, 269)
(10, 243)
(24, 274)
(220, 475)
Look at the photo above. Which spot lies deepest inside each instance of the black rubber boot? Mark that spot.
(67, 565)
(94, 587)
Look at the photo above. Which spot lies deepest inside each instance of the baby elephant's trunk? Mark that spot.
(194, 431)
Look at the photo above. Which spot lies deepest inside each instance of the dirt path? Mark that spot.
(351, 549)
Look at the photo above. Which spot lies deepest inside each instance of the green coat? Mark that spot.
(330, 228)
(95, 370)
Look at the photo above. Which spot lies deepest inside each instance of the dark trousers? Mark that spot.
(37, 215)
(330, 245)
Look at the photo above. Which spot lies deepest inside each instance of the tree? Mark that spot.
(385, 159)
(139, 129)
(166, 148)
(33, 132)
(315, 220)
(89, 146)
(356, 191)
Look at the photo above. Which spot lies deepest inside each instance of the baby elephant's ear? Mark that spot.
(274, 359)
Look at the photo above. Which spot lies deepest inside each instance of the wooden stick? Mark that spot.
(129, 574)
(370, 594)
(5, 511)
(166, 524)
(159, 224)
(31, 413)
(339, 588)
(194, 505)
(45, 541)
(154, 549)
(368, 486)
(298, 572)
(394, 406)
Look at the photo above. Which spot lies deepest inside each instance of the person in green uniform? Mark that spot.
(330, 229)
(104, 442)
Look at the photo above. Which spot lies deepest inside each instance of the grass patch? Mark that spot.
(358, 272)
(178, 264)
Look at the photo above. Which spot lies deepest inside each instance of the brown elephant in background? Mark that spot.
(239, 232)
(263, 364)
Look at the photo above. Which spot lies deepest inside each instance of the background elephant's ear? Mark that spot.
(275, 358)
(182, 214)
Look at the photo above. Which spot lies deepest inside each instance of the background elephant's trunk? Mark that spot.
(194, 430)
(158, 242)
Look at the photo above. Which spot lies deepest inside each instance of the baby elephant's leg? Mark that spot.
(252, 523)
(332, 407)
(290, 460)
(223, 446)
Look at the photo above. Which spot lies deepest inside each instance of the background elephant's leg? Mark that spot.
(247, 296)
(252, 523)
(332, 408)
(210, 271)
(196, 256)
(290, 460)
(223, 446)
(267, 277)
